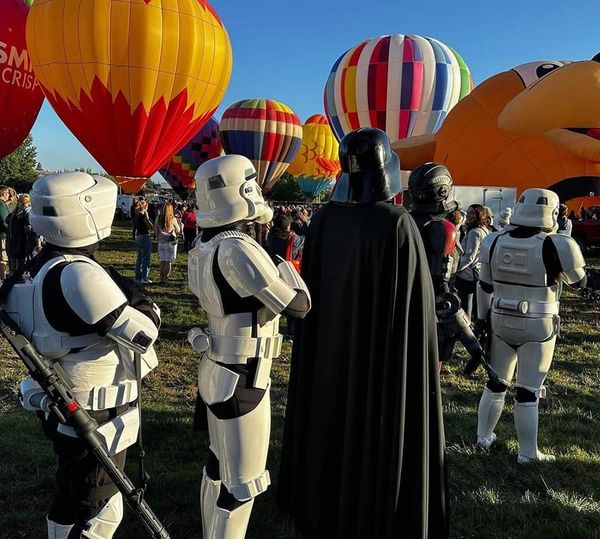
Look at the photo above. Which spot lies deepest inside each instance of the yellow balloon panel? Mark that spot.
(318, 156)
(146, 50)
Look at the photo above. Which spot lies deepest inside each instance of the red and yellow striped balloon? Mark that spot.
(133, 80)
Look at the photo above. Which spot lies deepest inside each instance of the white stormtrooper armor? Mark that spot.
(521, 270)
(73, 312)
(243, 294)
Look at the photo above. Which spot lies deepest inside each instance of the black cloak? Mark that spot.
(363, 449)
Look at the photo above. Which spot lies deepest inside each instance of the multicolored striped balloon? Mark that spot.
(132, 79)
(317, 163)
(404, 85)
(266, 132)
(180, 171)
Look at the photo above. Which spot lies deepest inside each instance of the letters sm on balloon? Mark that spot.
(15, 67)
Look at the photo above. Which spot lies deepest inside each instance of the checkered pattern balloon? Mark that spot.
(181, 169)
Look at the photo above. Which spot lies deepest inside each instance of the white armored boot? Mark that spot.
(105, 523)
(526, 424)
(488, 414)
(58, 531)
(209, 494)
(231, 524)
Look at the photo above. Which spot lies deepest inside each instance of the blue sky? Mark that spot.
(284, 50)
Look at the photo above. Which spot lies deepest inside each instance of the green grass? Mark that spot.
(490, 495)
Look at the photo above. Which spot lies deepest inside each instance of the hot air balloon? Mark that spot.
(316, 165)
(266, 132)
(180, 171)
(132, 79)
(530, 126)
(20, 93)
(404, 85)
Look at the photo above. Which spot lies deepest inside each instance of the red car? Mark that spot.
(586, 232)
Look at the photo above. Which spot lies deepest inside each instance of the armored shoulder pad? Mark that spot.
(487, 245)
(571, 259)
(246, 266)
(90, 291)
(442, 236)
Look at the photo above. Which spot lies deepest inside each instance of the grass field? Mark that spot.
(490, 495)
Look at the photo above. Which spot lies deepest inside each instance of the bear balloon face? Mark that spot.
(562, 105)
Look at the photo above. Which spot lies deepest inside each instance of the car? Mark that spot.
(586, 232)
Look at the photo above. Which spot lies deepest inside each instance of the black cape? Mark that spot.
(363, 449)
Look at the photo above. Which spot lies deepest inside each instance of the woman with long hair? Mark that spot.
(166, 228)
(477, 226)
(142, 227)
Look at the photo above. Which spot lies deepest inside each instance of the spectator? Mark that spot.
(504, 219)
(22, 242)
(565, 226)
(142, 227)
(152, 211)
(4, 212)
(166, 229)
(190, 230)
(283, 242)
(477, 227)
(300, 222)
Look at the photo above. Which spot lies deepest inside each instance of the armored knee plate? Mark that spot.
(58, 531)
(105, 523)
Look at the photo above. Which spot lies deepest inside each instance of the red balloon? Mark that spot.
(21, 95)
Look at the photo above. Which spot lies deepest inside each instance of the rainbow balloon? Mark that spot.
(404, 85)
(267, 132)
(133, 80)
(317, 163)
(180, 171)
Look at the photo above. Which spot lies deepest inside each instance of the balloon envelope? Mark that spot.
(404, 85)
(20, 93)
(132, 79)
(317, 164)
(266, 132)
(180, 171)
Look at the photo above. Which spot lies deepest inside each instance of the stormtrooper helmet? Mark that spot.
(73, 209)
(227, 192)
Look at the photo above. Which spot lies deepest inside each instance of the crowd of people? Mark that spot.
(19, 243)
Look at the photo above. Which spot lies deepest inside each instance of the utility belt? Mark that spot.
(235, 350)
(104, 397)
(525, 308)
(119, 433)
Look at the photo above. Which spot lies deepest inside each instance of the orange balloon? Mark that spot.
(532, 126)
(133, 80)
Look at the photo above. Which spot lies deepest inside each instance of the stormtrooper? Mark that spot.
(522, 267)
(100, 330)
(431, 200)
(243, 294)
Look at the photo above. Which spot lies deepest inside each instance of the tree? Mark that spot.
(286, 189)
(18, 170)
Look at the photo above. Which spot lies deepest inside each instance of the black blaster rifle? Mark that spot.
(56, 385)
(482, 357)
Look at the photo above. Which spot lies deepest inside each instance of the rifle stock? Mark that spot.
(57, 387)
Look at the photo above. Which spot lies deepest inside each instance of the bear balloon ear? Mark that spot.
(596, 58)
